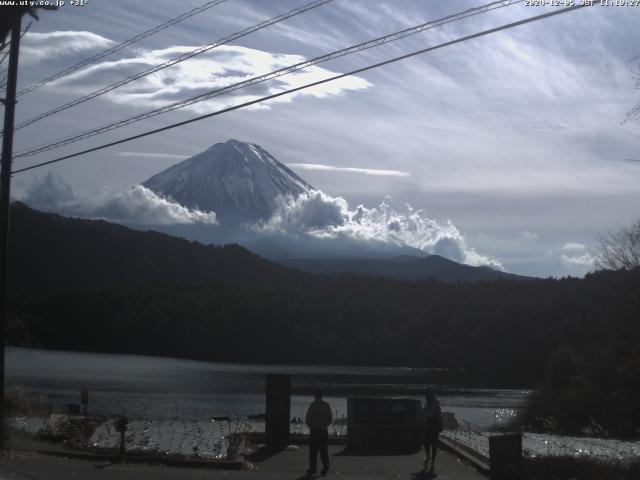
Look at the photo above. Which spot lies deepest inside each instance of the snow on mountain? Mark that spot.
(238, 181)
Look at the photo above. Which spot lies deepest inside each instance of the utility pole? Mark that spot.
(5, 190)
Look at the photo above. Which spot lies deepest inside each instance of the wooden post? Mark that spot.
(5, 191)
(278, 390)
(505, 456)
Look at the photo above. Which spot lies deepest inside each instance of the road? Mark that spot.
(285, 465)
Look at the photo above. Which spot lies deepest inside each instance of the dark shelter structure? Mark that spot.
(278, 410)
(384, 424)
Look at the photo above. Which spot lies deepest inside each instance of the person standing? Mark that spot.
(433, 426)
(318, 419)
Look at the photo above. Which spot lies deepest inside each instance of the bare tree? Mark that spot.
(620, 250)
(635, 74)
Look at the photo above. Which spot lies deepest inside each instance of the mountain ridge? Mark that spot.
(81, 253)
(402, 267)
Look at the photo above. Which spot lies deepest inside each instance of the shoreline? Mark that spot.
(211, 440)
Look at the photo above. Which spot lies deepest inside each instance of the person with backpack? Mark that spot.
(433, 426)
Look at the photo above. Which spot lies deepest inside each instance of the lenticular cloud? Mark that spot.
(321, 216)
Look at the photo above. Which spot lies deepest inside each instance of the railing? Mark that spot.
(550, 445)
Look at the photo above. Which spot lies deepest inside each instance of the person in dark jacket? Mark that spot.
(433, 423)
(318, 419)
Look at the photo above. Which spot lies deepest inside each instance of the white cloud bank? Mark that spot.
(217, 68)
(577, 256)
(529, 235)
(320, 216)
(136, 205)
(573, 246)
(37, 47)
(314, 219)
(585, 260)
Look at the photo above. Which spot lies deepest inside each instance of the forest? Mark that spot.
(575, 339)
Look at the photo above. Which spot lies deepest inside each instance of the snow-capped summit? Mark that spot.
(238, 181)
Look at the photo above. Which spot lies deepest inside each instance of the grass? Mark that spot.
(19, 402)
(582, 468)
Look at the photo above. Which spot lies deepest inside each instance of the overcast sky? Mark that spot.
(516, 138)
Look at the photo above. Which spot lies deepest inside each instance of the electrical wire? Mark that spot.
(268, 76)
(309, 85)
(120, 46)
(174, 61)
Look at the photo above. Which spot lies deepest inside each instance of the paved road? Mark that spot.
(286, 465)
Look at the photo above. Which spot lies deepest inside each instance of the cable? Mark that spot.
(8, 44)
(120, 46)
(308, 85)
(268, 76)
(176, 60)
(274, 74)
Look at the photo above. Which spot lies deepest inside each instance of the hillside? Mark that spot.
(85, 253)
(402, 267)
(93, 286)
(48, 250)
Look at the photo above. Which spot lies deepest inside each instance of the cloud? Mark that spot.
(577, 258)
(150, 155)
(136, 205)
(313, 221)
(323, 217)
(585, 260)
(331, 168)
(574, 246)
(529, 235)
(38, 47)
(217, 68)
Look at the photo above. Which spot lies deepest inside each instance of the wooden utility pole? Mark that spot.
(5, 191)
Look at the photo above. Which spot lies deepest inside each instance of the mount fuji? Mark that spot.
(265, 207)
(239, 181)
(244, 185)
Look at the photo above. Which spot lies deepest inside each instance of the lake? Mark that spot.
(160, 388)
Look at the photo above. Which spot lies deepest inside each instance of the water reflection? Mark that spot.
(163, 388)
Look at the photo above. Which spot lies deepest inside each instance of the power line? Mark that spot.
(176, 60)
(120, 46)
(9, 44)
(268, 76)
(309, 85)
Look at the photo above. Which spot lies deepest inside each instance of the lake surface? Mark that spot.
(160, 388)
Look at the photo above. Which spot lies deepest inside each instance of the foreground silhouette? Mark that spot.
(318, 420)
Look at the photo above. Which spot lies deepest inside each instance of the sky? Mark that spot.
(516, 144)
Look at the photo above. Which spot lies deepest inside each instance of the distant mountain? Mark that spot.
(404, 267)
(238, 181)
(48, 250)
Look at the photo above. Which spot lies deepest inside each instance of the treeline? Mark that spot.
(507, 328)
(48, 251)
(93, 286)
